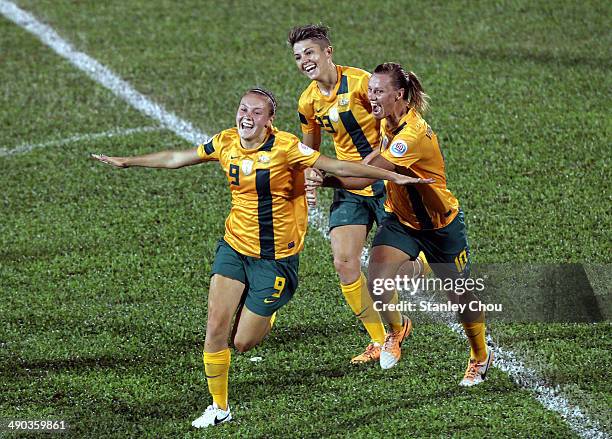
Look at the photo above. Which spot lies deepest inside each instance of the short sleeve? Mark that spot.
(403, 150)
(209, 151)
(301, 156)
(306, 114)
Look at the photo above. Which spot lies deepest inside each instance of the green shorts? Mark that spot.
(446, 249)
(349, 208)
(270, 283)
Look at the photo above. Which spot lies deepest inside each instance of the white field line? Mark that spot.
(101, 74)
(550, 397)
(22, 149)
(506, 361)
(579, 423)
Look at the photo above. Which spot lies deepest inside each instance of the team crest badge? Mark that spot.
(305, 149)
(333, 114)
(399, 148)
(247, 166)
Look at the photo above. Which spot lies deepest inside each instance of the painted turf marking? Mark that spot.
(522, 376)
(23, 149)
(101, 74)
(504, 359)
(550, 397)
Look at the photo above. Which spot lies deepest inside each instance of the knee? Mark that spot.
(347, 267)
(217, 325)
(243, 345)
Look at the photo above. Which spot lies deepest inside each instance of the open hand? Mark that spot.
(113, 161)
(314, 178)
(404, 179)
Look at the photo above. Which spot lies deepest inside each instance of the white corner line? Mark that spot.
(101, 74)
(549, 397)
(577, 421)
(23, 149)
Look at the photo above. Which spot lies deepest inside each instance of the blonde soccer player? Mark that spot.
(336, 102)
(256, 261)
(423, 218)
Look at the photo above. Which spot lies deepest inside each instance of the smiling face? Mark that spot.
(254, 116)
(383, 96)
(313, 60)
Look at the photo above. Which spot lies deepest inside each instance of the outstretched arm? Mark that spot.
(162, 159)
(341, 168)
(373, 158)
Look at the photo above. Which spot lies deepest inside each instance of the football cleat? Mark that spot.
(212, 416)
(392, 348)
(371, 353)
(476, 372)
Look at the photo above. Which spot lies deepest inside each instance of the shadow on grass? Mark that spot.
(75, 364)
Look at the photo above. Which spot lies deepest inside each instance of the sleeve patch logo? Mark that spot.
(305, 149)
(399, 148)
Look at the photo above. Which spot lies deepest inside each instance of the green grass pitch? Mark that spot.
(104, 272)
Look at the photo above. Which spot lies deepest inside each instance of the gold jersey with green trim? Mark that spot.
(346, 114)
(269, 216)
(414, 146)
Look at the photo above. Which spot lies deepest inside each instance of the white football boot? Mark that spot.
(477, 372)
(212, 416)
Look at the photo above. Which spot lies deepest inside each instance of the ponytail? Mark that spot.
(417, 98)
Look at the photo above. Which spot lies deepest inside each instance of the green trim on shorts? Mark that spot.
(446, 249)
(269, 283)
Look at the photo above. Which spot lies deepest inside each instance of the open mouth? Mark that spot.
(310, 68)
(376, 109)
(246, 124)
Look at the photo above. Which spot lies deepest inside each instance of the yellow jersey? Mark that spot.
(269, 216)
(414, 147)
(346, 114)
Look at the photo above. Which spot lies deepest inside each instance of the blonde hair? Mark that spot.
(409, 82)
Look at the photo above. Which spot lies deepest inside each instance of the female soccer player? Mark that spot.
(257, 259)
(423, 218)
(336, 101)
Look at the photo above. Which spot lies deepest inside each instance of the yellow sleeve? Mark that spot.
(209, 151)
(301, 156)
(404, 150)
(306, 113)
